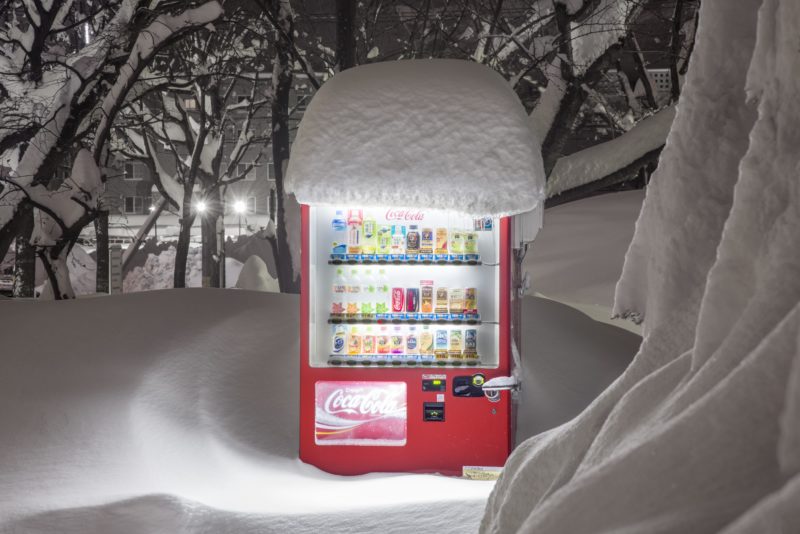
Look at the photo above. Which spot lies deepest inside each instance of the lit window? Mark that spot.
(251, 205)
(189, 103)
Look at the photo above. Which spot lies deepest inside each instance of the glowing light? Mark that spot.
(200, 206)
(239, 207)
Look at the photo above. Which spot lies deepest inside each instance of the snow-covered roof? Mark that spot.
(439, 134)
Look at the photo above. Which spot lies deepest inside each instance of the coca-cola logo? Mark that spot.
(404, 215)
(370, 402)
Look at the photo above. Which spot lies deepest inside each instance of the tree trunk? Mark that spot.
(208, 231)
(345, 34)
(638, 58)
(282, 83)
(55, 265)
(675, 50)
(182, 250)
(101, 235)
(25, 256)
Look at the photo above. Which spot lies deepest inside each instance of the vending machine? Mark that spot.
(405, 316)
(414, 180)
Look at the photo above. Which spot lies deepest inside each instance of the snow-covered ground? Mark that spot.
(577, 256)
(176, 411)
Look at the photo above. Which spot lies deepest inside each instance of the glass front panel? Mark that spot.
(403, 287)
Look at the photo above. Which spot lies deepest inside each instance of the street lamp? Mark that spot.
(200, 207)
(239, 207)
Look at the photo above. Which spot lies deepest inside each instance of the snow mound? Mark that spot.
(443, 134)
(82, 274)
(177, 412)
(700, 433)
(255, 276)
(158, 270)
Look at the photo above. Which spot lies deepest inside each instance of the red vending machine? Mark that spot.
(415, 179)
(405, 315)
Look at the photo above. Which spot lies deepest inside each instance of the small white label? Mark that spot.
(434, 377)
(440, 397)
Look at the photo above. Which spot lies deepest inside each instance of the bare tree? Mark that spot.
(74, 94)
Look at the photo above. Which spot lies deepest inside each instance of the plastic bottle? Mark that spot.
(368, 294)
(353, 293)
(412, 343)
(398, 239)
(339, 227)
(383, 295)
(339, 338)
(369, 230)
(412, 240)
(354, 231)
(397, 341)
(339, 293)
(354, 342)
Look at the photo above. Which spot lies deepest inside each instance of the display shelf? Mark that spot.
(433, 259)
(393, 361)
(472, 320)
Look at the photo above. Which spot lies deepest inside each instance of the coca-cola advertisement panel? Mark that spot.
(360, 413)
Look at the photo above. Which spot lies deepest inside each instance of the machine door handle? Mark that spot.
(500, 383)
(493, 387)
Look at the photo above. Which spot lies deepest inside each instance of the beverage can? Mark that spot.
(456, 343)
(398, 298)
(412, 299)
(441, 241)
(471, 300)
(441, 300)
(426, 296)
(426, 241)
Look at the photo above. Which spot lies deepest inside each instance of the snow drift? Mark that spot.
(700, 434)
(440, 134)
(176, 411)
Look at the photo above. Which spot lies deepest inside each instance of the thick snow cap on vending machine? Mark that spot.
(436, 134)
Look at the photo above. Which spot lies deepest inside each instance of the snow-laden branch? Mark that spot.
(155, 36)
(601, 160)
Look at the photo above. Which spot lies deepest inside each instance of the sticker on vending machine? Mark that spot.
(360, 413)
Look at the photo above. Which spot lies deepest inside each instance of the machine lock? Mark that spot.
(468, 386)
